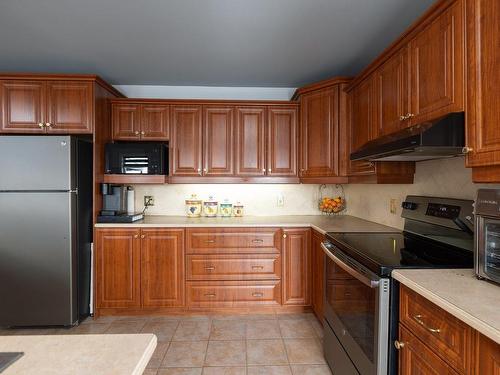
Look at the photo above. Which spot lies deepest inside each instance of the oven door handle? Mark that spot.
(351, 271)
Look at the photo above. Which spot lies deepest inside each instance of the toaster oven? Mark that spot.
(136, 158)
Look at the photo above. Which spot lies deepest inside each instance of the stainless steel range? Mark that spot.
(362, 300)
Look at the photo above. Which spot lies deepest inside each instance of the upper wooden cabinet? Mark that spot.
(140, 121)
(483, 89)
(218, 141)
(186, 141)
(250, 141)
(62, 106)
(282, 141)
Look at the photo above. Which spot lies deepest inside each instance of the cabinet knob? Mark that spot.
(410, 115)
(41, 125)
(466, 150)
(205, 170)
(142, 133)
(269, 170)
(48, 124)
(199, 171)
(264, 170)
(399, 345)
(136, 236)
(402, 117)
(284, 235)
(143, 236)
(136, 132)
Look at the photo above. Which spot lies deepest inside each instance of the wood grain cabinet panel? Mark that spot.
(416, 358)
(487, 356)
(318, 274)
(282, 141)
(186, 140)
(392, 94)
(126, 121)
(437, 67)
(162, 267)
(296, 266)
(319, 133)
(250, 141)
(154, 122)
(118, 268)
(218, 141)
(483, 88)
(22, 106)
(70, 107)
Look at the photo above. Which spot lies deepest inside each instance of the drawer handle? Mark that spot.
(209, 294)
(209, 241)
(258, 294)
(258, 240)
(399, 344)
(209, 268)
(418, 319)
(257, 267)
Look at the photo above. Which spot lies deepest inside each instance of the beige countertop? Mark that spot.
(475, 302)
(79, 354)
(323, 224)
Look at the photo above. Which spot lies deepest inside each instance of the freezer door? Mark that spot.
(37, 260)
(36, 163)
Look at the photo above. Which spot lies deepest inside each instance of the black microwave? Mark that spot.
(136, 158)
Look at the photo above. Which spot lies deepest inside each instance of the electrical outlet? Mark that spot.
(392, 206)
(149, 200)
(280, 200)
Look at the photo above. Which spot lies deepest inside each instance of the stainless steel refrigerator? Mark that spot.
(45, 229)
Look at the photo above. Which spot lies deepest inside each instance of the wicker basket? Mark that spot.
(331, 199)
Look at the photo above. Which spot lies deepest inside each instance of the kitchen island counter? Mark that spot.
(459, 292)
(320, 223)
(80, 354)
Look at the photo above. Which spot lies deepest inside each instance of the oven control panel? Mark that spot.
(445, 211)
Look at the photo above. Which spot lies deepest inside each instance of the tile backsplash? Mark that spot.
(444, 178)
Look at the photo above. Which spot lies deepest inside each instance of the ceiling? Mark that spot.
(267, 43)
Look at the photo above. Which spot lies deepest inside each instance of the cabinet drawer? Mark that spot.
(234, 267)
(233, 293)
(233, 240)
(416, 358)
(442, 332)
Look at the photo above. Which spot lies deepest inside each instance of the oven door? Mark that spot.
(488, 248)
(357, 310)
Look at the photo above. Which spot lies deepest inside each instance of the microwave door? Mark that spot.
(489, 249)
(357, 309)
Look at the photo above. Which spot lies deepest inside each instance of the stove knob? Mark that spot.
(409, 205)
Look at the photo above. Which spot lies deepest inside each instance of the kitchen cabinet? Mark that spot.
(186, 142)
(139, 268)
(250, 141)
(46, 106)
(296, 266)
(282, 141)
(487, 356)
(218, 141)
(118, 268)
(140, 121)
(318, 274)
(483, 89)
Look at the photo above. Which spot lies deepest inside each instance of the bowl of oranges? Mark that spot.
(331, 202)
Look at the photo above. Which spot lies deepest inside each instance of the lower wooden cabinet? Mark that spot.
(139, 268)
(487, 356)
(296, 266)
(317, 274)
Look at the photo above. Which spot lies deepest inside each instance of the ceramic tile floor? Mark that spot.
(274, 344)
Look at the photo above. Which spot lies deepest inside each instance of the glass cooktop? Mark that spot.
(383, 252)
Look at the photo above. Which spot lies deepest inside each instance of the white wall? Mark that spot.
(207, 92)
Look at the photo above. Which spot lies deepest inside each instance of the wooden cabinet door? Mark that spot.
(282, 141)
(362, 124)
(483, 82)
(154, 120)
(318, 273)
(218, 141)
(125, 119)
(22, 106)
(250, 141)
(118, 268)
(487, 356)
(162, 267)
(392, 93)
(70, 107)
(319, 133)
(437, 67)
(415, 358)
(296, 269)
(186, 140)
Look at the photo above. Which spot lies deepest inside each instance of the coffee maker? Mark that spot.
(114, 205)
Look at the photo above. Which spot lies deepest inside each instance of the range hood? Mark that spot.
(442, 138)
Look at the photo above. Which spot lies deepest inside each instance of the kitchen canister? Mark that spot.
(193, 206)
(226, 208)
(210, 207)
(238, 210)
(130, 200)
